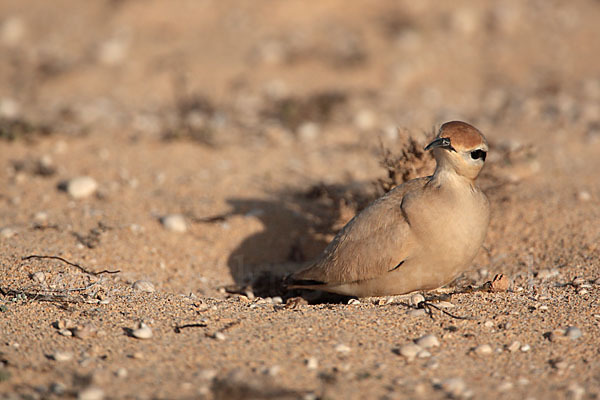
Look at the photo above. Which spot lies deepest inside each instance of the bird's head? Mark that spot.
(459, 146)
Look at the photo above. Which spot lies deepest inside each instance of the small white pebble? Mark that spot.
(488, 324)
(416, 299)
(423, 354)
(505, 386)
(121, 373)
(62, 356)
(353, 301)
(273, 370)
(219, 336)
(7, 233)
(143, 285)
(525, 348)
(207, 374)
(454, 387)
(584, 195)
(312, 363)
(174, 223)
(342, 348)
(142, 332)
(39, 277)
(277, 300)
(428, 341)
(575, 391)
(543, 307)
(91, 393)
(523, 381)
(65, 332)
(81, 187)
(573, 333)
(409, 351)
(514, 346)
(484, 349)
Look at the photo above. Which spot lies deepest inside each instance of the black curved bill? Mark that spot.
(442, 142)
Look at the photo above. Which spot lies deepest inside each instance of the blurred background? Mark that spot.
(225, 71)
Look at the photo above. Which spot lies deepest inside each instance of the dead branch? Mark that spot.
(79, 267)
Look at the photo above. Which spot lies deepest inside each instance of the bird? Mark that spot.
(419, 236)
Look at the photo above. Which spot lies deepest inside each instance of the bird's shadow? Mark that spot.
(297, 226)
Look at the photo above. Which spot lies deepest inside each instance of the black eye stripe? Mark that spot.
(477, 154)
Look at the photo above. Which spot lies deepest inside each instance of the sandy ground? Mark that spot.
(264, 125)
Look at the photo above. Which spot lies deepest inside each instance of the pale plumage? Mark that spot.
(418, 236)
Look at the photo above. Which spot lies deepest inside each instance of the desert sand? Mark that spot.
(224, 143)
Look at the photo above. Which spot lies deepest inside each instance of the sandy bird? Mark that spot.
(419, 236)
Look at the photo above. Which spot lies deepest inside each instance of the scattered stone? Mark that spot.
(365, 119)
(65, 324)
(428, 341)
(409, 351)
(525, 348)
(65, 332)
(416, 299)
(295, 302)
(62, 356)
(573, 333)
(342, 348)
(91, 393)
(143, 285)
(308, 131)
(207, 374)
(81, 187)
(311, 363)
(578, 281)
(38, 277)
(523, 381)
(454, 387)
(514, 346)
(423, 354)
(277, 300)
(142, 332)
(558, 363)
(500, 283)
(484, 350)
(544, 274)
(353, 301)
(219, 336)
(505, 386)
(174, 222)
(58, 388)
(488, 324)
(584, 195)
(84, 331)
(273, 370)
(575, 391)
(7, 233)
(12, 30)
(121, 373)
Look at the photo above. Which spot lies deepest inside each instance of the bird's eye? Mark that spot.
(477, 154)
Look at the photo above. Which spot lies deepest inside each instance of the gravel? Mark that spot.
(174, 223)
(143, 286)
(81, 187)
